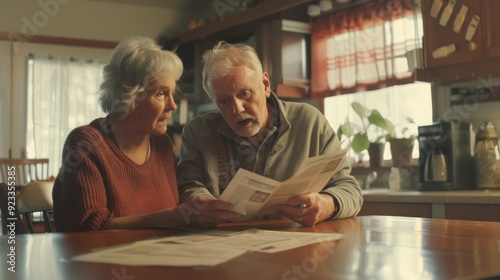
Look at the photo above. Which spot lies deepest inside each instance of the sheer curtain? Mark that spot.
(62, 95)
(367, 47)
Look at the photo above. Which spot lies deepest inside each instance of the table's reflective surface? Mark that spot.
(373, 248)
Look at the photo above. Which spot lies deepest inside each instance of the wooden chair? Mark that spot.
(24, 171)
(32, 197)
(36, 197)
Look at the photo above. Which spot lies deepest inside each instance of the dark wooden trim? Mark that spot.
(465, 71)
(261, 10)
(17, 37)
(476, 212)
(423, 210)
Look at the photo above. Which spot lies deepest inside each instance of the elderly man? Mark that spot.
(256, 131)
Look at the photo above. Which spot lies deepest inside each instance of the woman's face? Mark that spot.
(154, 108)
(241, 98)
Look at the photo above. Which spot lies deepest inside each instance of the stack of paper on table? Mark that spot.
(207, 248)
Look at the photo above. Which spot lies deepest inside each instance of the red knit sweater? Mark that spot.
(98, 182)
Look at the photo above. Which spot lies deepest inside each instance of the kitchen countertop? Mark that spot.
(479, 196)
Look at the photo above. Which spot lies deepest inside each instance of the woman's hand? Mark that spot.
(202, 212)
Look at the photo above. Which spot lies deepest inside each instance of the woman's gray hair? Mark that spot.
(136, 64)
(223, 58)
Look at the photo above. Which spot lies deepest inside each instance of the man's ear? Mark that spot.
(267, 84)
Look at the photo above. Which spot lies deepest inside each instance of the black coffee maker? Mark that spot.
(446, 161)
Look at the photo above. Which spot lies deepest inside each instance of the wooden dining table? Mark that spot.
(372, 247)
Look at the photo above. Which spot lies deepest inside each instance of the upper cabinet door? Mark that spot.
(443, 45)
(491, 27)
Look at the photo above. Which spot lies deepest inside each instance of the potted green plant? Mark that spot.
(370, 135)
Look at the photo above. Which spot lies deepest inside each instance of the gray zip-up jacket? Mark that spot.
(301, 132)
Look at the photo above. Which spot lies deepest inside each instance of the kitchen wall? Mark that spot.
(86, 19)
(20, 20)
(474, 111)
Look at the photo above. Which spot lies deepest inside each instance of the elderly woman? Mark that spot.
(119, 171)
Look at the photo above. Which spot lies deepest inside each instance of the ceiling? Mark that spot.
(180, 12)
(185, 11)
(180, 5)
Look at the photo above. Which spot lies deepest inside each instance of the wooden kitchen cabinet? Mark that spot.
(479, 57)
(491, 25)
(278, 30)
(422, 210)
(453, 211)
(476, 212)
(436, 35)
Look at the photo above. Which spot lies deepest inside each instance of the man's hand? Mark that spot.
(308, 209)
(202, 212)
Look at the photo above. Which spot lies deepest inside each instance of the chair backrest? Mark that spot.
(23, 171)
(35, 196)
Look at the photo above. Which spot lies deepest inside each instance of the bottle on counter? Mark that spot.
(400, 179)
(394, 179)
(487, 157)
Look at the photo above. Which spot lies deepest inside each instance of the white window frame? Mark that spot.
(20, 52)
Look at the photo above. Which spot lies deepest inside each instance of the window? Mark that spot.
(365, 57)
(371, 51)
(397, 103)
(62, 94)
(366, 47)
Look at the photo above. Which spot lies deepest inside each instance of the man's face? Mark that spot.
(241, 99)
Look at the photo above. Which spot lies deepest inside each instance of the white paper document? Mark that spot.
(208, 248)
(158, 254)
(253, 194)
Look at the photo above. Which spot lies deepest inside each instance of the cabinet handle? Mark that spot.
(443, 51)
(471, 30)
(436, 8)
(445, 17)
(460, 18)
